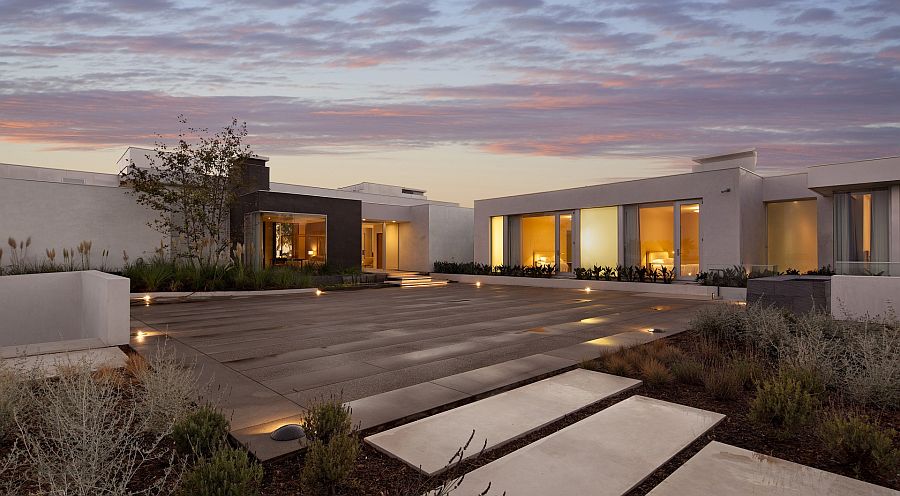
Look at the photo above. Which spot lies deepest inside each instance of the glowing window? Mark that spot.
(600, 237)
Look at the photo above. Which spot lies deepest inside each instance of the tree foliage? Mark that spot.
(192, 186)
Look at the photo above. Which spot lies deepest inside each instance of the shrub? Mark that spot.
(10, 394)
(229, 472)
(721, 323)
(654, 372)
(707, 351)
(687, 371)
(328, 463)
(327, 418)
(747, 369)
(868, 447)
(783, 405)
(168, 391)
(201, 433)
(723, 382)
(617, 364)
(84, 436)
(808, 378)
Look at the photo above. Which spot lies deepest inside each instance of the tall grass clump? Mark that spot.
(168, 390)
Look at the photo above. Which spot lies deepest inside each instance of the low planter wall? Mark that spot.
(857, 296)
(799, 294)
(62, 311)
(711, 292)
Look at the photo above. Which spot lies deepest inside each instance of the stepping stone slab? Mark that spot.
(723, 469)
(428, 444)
(606, 454)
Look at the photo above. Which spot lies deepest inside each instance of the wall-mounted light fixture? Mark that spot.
(726, 190)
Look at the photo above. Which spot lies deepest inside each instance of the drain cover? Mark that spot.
(289, 432)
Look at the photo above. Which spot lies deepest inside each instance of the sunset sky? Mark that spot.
(466, 99)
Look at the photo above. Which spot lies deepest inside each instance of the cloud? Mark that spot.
(814, 15)
(398, 13)
(515, 5)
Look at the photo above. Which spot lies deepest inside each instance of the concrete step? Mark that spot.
(724, 469)
(606, 454)
(427, 444)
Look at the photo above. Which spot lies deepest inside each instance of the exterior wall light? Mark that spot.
(288, 432)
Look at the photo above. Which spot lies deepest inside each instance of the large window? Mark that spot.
(600, 237)
(862, 232)
(539, 240)
(275, 238)
(791, 233)
(657, 225)
(496, 241)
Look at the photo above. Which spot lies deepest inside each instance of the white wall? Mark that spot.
(58, 215)
(856, 296)
(450, 234)
(39, 310)
(753, 220)
(414, 240)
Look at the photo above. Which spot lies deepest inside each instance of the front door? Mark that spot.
(687, 238)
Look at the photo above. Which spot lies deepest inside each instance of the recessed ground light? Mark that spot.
(147, 299)
(478, 284)
(319, 292)
(654, 330)
(288, 432)
(587, 290)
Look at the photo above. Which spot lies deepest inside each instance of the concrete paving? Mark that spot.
(429, 443)
(606, 454)
(275, 354)
(722, 469)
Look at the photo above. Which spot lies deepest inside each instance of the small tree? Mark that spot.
(192, 186)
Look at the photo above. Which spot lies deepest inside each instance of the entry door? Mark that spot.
(565, 242)
(687, 238)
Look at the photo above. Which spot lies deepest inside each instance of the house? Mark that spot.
(722, 213)
(367, 225)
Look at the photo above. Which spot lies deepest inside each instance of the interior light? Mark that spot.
(393, 221)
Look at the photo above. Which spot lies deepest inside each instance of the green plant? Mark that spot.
(229, 472)
(723, 382)
(782, 405)
(654, 372)
(201, 432)
(326, 418)
(855, 440)
(748, 369)
(809, 378)
(328, 463)
(687, 371)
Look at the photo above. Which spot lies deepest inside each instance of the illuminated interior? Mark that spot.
(539, 240)
(496, 241)
(291, 239)
(690, 239)
(565, 243)
(600, 237)
(862, 232)
(792, 235)
(657, 227)
(373, 245)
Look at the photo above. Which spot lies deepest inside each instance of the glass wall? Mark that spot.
(657, 228)
(792, 235)
(496, 241)
(600, 237)
(862, 232)
(689, 237)
(275, 238)
(373, 245)
(538, 240)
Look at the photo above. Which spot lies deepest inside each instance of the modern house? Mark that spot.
(367, 225)
(722, 213)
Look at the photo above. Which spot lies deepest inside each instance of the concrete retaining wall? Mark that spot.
(711, 292)
(856, 296)
(62, 311)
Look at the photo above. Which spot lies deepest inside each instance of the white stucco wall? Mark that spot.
(59, 215)
(857, 296)
(42, 310)
(450, 234)
(720, 213)
(414, 240)
(753, 220)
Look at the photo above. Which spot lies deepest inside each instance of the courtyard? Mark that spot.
(390, 352)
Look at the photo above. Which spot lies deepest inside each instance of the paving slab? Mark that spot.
(599, 347)
(401, 403)
(257, 439)
(429, 443)
(606, 454)
(484, 379)
(726, 470)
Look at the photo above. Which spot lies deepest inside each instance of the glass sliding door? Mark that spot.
(565, 243)
(687, 253)
(497, 250)
(281, 238)
(862, 232)
(657, 227)
(600, 237)
(791, 235)
(538, 240)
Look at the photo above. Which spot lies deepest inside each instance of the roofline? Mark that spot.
(702, 158)
(854, 161)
